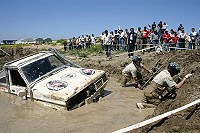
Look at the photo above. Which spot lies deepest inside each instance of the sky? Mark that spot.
(63, 19)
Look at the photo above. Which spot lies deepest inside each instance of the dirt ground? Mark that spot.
(117, 109)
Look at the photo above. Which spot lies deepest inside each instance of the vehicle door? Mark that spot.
(16, 82)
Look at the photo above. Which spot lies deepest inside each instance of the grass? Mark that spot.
(84, 53)
(92, 51)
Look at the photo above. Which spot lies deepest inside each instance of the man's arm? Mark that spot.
(137, 81)
(147, 69)
(180, 84)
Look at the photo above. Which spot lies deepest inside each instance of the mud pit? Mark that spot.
(116, 110)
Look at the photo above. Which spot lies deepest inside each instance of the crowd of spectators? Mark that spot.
(84, 41)
(136, 39)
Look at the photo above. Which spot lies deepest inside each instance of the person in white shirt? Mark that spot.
(101, 41)
(181, 39)
(93, 41)
(133, 71)
(162, 83)
(192, 39)
(164, 26)
(122, 40)
(107, 38)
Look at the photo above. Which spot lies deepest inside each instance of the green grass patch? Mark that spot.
(92, 51)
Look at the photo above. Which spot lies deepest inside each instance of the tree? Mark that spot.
(39, 40)
(61, 41)
(47, 40)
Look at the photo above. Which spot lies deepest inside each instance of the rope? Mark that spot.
(159, 117)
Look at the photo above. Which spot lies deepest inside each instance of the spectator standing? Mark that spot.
(153, 26)
(121, 40)
(126, 38)
(181, 39)
(145, 34)
(193, 38)
(74, 43)
(116, 40)
(101, 39)
(160, 27)
(93, 40)
(82, 40)
(166, 37)
(70, 44)
(164, 27)
(180, 28)
(154, 37)
(112, 41)
(198, 37)
(114, 45)
(87, 41)
(173, 40)
(78, 46)
(107, 44)
(131, 42)
(65, 45)
(139, 38)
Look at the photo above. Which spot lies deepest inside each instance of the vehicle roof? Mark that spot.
(28, 59)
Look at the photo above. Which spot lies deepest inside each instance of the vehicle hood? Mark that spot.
(67, 82)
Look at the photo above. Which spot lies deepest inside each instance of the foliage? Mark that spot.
(47, 40)
(93, 51)
(39, 40)
(61, 41)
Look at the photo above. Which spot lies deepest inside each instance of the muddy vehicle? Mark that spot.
(47, 76)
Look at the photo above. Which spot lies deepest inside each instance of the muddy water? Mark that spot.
(116, 110)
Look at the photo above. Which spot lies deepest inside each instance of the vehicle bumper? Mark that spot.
(97, 94)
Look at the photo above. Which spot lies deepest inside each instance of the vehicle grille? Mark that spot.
(92, 88)
(100, 82)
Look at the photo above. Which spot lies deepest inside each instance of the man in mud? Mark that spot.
(133, 70)
(154, 93)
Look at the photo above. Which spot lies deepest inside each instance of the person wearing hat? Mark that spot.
(154, 93)
(133, 71)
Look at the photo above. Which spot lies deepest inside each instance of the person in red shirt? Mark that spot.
(145, 34)
(174, 39)
(166, 37)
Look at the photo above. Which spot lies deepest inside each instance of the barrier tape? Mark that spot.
(149, 121)
(141, 50)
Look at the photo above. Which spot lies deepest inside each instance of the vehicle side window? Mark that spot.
(3, 80)
(16, 78)
(2, 76)
(55, 62)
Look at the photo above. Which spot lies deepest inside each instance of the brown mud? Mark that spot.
(117, 109)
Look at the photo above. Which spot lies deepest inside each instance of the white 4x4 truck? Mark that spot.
(47, 76)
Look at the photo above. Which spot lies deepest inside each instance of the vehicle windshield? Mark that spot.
(40, 67)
